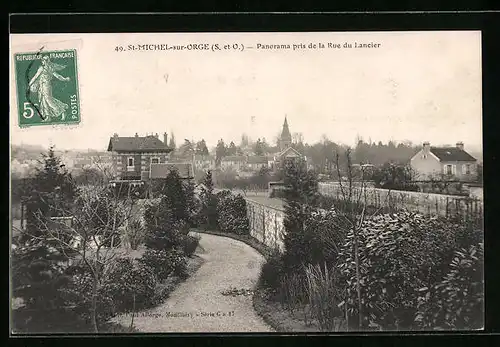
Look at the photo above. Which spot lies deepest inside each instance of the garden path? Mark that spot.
(199, 305)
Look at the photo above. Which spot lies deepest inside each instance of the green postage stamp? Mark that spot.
(47, 88)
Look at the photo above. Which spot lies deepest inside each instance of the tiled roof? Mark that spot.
(137, 144)
(257, 160)
(185, 170)
(451, 154)
(234, 158)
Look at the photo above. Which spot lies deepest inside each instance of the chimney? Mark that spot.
(427, 146)
(136, 135)
(460, 145)
(165, 138)
(156, 135)
(115, 135)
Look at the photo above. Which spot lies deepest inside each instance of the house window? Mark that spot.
(466, 169)
(448, 169)
(424, 156)
(130, 164)
(155, 160)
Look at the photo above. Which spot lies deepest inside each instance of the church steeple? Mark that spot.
(286, 137)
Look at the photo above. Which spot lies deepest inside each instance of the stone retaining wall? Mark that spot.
(426, 203)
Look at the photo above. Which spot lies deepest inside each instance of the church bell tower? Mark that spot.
(286, 137)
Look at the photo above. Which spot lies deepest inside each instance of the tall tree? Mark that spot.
(220, 151)
(171, 143)
(258, 147)
(174, 195)
(201, 147)
(301, 193)
(209, 201)
(51, 186)
(189, 194)
(232, 150)
(38, 275)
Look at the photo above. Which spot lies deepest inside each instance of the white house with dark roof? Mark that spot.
(453, 162)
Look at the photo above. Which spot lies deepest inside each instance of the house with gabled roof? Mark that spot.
(452, 162)
(287, 152)
(132, 156)
(138, 159)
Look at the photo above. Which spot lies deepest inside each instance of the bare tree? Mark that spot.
(97, 218)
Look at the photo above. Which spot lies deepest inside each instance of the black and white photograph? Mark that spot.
(285, 182)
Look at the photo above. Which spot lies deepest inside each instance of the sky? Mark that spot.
(417, 86)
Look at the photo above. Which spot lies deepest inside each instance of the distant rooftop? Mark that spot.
(451, 154)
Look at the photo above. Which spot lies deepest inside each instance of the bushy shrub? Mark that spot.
(190, 243)
(398, 254)
(272, 272)
(164, 263)
(232, 214)
(456, 302)
(130, 283)
(320, 242)
(80, 293)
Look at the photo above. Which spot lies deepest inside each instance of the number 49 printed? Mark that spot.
(47, 88)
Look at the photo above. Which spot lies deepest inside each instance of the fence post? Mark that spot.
(22, 215)
(263, 226)
(447, 202)
(275, 230)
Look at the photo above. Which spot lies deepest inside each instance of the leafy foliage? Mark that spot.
(38, 277)
(129, 279)
(399, 255)
(272, 271)
(396, 177)
(300, 195)
(208, 202)
(457, 301)
(175, 198)
(190, 243)
(38, 271)
(51, 187)
(164, 263)
(232, 214)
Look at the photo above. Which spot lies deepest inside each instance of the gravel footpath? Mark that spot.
(199, 305)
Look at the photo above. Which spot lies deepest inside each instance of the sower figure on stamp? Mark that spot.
(50, 107)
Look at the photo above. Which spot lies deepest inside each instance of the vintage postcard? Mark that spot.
(246, 182)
